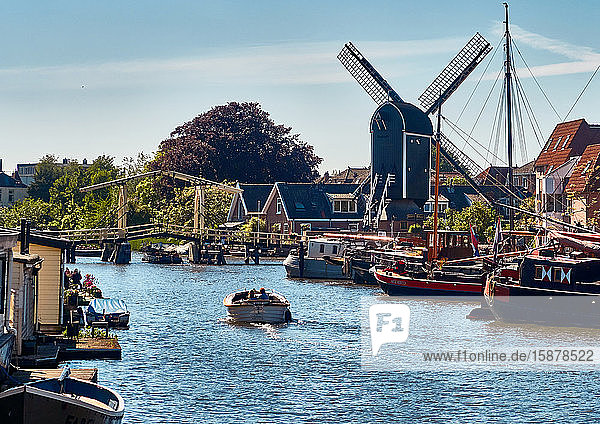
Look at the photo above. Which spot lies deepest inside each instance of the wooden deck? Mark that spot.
(29, 375)
(91, 348)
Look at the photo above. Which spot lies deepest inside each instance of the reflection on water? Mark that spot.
(182, 362)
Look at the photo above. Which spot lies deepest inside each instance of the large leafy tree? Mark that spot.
(46, 173)
(237, 141)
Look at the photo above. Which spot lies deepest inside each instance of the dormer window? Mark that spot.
(557, 143)
(566, 141)
(344, 206)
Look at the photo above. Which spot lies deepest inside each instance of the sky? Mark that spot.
(79, 79)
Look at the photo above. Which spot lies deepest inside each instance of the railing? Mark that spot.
(95, 235)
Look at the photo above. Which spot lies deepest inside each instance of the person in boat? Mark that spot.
(252, 295)
(399, 268)
(263, 294)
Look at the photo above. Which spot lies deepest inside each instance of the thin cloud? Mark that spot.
(306, 63)
(585, 59)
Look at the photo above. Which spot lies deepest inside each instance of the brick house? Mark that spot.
(293, 207)
(583, 188)
(556, 163)
(249, 202)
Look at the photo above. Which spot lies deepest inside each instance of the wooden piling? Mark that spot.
(301, 259)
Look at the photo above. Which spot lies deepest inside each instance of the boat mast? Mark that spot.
(438, 137)
(507, 82)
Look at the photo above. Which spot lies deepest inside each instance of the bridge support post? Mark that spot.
(194, 253)
(301, 259)
(122, 253)
(107, 250)
(256, 255)
(246, 254)
(221, 256)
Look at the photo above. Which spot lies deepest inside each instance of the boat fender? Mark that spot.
(288, 316)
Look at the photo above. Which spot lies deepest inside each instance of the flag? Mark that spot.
(474, 242)
(497, 238)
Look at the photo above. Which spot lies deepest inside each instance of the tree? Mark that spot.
(479, 214)
(47, 172)
(237, 142)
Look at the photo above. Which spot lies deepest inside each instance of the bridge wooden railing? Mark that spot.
(96, 235)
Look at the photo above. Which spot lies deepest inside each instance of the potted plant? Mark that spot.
(71, 297)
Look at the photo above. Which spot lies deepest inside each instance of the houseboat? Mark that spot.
(547, 288)
(313, 264)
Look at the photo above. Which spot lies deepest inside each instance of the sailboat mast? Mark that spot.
(507, 81)
(438, 137)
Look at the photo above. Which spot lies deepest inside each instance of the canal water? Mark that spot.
(182, 363)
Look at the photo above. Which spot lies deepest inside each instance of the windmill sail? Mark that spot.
(454, 73)
(366, 75)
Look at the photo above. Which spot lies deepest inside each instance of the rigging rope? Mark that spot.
(581, 94)
(534, 78)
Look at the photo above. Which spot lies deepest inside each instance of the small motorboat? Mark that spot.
(113, 311)
(252, 306)
(159, 254)
(61, 400)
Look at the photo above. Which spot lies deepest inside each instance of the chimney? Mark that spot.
(0, 165)
(84, 161)
(65, 161)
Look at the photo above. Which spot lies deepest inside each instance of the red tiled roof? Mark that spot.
(556, 151)
(584, 170)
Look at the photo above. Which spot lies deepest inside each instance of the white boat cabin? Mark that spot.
(319, 247)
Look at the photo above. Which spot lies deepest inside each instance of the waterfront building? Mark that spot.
(248, 203)
(26, 171)
(556, 163)
(8, 239)
(297, 207)
(23, 296)
(583, 188)
(11, 190)
(49, 308)
(350, 175)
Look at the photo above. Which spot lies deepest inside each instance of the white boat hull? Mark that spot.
(313, 268)
(257, 312)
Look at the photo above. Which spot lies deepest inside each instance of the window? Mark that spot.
(566, 141)
(0, 194)
(427, 207)
(556, 274)
(344, 206)
(353, 227)
(538, 272)
(279, 205)
(557, 143)
(334, 250)
(321, 248)
(286, 228)
(403, 225)
(11, 196)
(587, 167)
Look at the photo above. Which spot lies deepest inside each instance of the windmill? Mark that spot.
(401, 135)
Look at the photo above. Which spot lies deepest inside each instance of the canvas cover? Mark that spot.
(107, 306)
